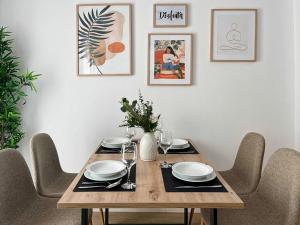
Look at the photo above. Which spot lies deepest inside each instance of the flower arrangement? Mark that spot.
(139, 113)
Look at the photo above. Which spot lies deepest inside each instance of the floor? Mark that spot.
(143, 217)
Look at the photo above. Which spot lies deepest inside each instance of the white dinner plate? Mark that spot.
(106, 168)
(206, 179)
(94, 177)
(181, 147)
(192, 170)
(115, 141)
(179, 142)
(111, 146)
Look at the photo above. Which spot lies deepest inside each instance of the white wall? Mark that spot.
(297, 71)
(226, 101)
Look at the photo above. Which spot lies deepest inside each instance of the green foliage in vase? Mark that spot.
(139, 113)
(12, 92)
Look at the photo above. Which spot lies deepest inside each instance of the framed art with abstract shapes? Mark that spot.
(103, 39)
(170, 59)
(233, 35)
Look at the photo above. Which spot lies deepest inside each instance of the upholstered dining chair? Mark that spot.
(245, 174)
(20, 204)
(277, 198)
(51, 181)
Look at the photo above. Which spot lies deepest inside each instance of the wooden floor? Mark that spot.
(144, 217)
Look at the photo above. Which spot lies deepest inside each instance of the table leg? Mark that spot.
(106, 215)
(186, 214)
(213, 217)
(84, 216)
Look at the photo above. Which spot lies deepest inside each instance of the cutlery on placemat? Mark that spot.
(112, 185)
(112, 150)
(94, 182)
(181, 152)
(211, 186)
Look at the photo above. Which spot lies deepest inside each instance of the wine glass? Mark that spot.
(165, 143)
(129, 152)
(129, 133)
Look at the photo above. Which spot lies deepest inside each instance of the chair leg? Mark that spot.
(202, 221)
(91, 217)
(191, 215)
(101, 215)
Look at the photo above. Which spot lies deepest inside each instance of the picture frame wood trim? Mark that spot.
(191, 60)
(170, 4)
(130, 40)
(212, 34)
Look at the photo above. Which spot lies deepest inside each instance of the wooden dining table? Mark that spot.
(150, 191)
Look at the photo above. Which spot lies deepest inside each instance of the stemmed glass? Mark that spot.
(129, 133)
(158, 130)
(165, 143)
(129, 152)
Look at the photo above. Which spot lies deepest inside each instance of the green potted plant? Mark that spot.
(139, 113)
(12, 92)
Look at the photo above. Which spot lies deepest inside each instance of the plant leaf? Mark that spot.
(105, 9)
(83, 23)
(93, 15)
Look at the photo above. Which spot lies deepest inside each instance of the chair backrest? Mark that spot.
(249, 159)
(17, 190)
(280, 185)
(45, 160)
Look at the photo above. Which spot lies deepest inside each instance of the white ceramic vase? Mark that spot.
(148, 147)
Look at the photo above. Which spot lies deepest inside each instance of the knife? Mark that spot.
(211, 186)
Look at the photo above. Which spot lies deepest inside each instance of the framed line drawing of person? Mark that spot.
(103, 39)
(233, 35)
(170, 59)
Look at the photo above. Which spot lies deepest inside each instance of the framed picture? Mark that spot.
(103, 39)
(170, 59)
(170, 15)
(233, 35)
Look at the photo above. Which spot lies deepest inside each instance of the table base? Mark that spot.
(85, 218)
(185, 219)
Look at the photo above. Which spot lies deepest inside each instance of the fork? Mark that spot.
(109, 186)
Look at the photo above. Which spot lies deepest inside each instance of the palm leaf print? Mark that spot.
(94, 27)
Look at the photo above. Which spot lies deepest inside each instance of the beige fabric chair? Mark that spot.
(51, 180)
(20, 204)
(246, 171)
(277, 198)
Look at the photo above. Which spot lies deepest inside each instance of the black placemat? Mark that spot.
(104, 150)
(103, 189)
(171, 182)
(189, 150)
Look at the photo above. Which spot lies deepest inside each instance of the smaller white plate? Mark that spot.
(115, 141)
(90, 176)
(209, 178)
(179, 142)
(105, 168)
